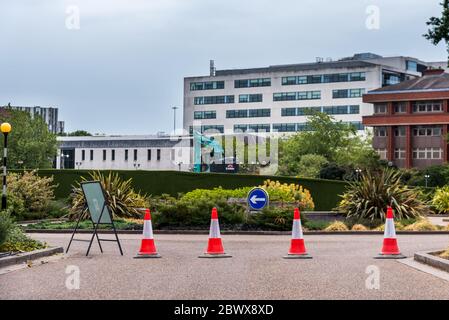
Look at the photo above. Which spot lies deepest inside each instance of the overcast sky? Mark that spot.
(122, 70)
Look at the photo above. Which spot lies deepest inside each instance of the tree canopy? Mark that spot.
(439, 30)
(30, 144)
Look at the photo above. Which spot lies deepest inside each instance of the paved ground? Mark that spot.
(256, 270)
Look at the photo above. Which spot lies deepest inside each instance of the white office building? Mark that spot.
(278, 98)
(157, 152)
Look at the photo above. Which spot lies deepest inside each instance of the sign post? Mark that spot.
(257, 199)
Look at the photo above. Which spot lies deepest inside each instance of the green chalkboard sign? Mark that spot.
(96, 202)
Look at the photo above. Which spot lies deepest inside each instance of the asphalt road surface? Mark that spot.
(256, 270)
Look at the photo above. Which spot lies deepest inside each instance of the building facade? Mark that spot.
(48, 114)
(411, 120)
(124, 153)
(278, 98)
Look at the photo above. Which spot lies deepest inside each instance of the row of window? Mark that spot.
(324, 78)
(279, 96)
(417, 153)
(334, 110)
(208, 85)
(418, 131)
(198, 115)
(417, 107)
(292, 80)
(135, 153)
(251, 113)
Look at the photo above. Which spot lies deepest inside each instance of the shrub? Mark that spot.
(421, 225)
(123, 200)
(315, 225)
(29, 195)
(333, 171)
(359, 227)
(445, 254)
(397, 226)
(337, 226)
(309, 165)
(440, 200)
(369, 197)
(6, 225)
(292, 193)
(280, 219)
(17, 240)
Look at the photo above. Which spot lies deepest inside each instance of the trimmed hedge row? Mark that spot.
(324, 192)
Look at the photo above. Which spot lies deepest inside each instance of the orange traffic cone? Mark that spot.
(214, 246)
(390, 249)
(297, 247)
(147, 248)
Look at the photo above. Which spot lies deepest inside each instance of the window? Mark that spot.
(399, 153)
(205, 115)
(399, 131)
(324, 78)
(149, 154)
(212, 128)
(380, 108)
(104, 155)
(347, 93)
(91, 155)
(427, 131)
(113, 155)
(382, 153)
(308, 110)
(247, 83)
(83, 155)
(172, 154)
(158, 154)
(354, 109)
(243, 113)
(380, 131)
(301, 95)
(288, 112)
(257, 113)
(412, 65)
(259, 127)
(210, 85)
(427, 153)
(390, 79)
(240, 127)
(400, 107)
(135, 154)
(427, 106)
(246, 98)
(284, 127)
(213, 100)
(126, 154)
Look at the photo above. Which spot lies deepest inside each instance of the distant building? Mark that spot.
(48, 114)
(158, 152)
(411, 120)
(277, 98)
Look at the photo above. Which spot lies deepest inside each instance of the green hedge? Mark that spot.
(324, 192)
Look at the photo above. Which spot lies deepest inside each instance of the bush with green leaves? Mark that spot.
(369, 197)
(440, 200)
(6, 224)
(124, 201)
(18, 241)
(29, 195)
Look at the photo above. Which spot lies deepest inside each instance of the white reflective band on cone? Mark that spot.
(147, 230)
(297, 230)
(390, 231)
(214, 229)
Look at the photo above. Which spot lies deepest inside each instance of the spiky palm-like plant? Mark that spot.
(124, 201)
(369, 197)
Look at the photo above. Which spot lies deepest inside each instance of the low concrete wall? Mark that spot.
(432, 259)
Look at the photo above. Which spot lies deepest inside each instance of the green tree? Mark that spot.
(334, 140)
(439, 30)
(30, 144)
(310, 165)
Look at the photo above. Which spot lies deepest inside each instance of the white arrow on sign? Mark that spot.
(254, 199)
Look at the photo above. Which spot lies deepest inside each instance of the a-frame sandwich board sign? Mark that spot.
(99, 212)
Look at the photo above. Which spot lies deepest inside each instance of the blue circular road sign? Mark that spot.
(257, 199)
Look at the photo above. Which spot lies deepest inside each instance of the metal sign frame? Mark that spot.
(105, 208)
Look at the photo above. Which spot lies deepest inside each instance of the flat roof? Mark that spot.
(426, 83)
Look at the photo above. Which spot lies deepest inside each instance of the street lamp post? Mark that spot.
(62, 159)
(427, 176)
(136, 165)
(5, 127)
(358, 172)
(78, 164)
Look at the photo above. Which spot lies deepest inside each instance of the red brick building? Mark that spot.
(411, 120)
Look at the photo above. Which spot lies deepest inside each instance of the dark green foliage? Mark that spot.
(120, 224)
(6, 224)
(439, 30)
(278, 219)
(324, 192)
(333, 171)
(18, 241)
